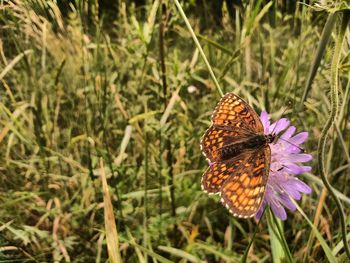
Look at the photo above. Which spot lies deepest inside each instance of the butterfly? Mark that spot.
(239, 155)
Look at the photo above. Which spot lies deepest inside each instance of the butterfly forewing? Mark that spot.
(215, 139)
(234, 112)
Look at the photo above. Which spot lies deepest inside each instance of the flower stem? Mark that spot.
(245, 255)
(182, 13)
(331, 120)
(279, 247)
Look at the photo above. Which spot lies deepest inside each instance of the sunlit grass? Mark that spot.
(76, 89)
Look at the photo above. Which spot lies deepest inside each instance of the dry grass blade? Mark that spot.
(14, 117)
(170, 106)
(110, 226)
(122, 155)
(14, 62)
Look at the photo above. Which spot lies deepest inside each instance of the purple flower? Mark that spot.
(282, 185)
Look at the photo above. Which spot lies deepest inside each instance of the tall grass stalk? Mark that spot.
(164, 86)
(110, 226)
(321, 49)
(145, 197)
(194, 37)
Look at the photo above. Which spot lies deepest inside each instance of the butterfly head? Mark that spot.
(271, 138)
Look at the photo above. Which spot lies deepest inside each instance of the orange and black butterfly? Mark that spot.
(239, 155)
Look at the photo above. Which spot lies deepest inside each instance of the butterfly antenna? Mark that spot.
(301, 149)
(284, 111)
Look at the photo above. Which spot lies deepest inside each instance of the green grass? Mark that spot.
(125, 95)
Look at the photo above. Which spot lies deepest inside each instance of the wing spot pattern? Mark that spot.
(246, 182)
(243, 177)
(245, 201)
(241, 198)
(251, 202)
(239, 191)
(233, 198)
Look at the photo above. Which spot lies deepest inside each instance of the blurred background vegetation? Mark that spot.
(118, 89)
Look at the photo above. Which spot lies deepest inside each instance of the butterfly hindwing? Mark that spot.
(243, 192)
(218, 172)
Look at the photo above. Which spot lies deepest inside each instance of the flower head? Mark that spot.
(282, 184)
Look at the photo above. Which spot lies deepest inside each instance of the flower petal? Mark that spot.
(295, 194)
(295, 187)
(287, 202)
(293, 168)
(300, 157)
(305, 169)
(299, 138)
(261, 210)
(282, 185)
(301, 186)
(264, 117)
(278, 210)
(288, 133)
(279, 126)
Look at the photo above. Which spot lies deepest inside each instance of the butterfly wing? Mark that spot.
(243, 192)
(233, 121)
(241, 180)
(232, 112)
(215, 139)
(218, 172)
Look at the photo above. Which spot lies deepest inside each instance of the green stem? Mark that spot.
(182, 13)
(145, 214)
(245, 255)
(326, 35)
(282, 239)
(165, 91)
(331, 120)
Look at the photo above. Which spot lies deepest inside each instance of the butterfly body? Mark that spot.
(239, 156)
(232, 150)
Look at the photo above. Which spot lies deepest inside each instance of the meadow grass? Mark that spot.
(102, 113)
